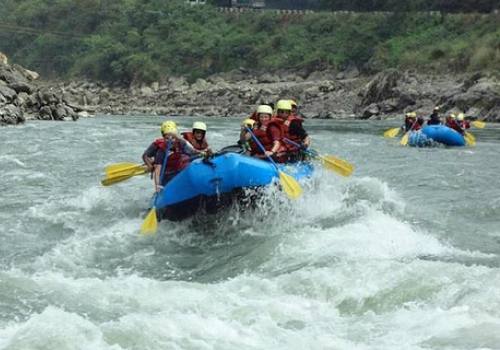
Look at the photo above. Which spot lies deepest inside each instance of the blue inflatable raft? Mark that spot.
(214, 183)
(431, 134)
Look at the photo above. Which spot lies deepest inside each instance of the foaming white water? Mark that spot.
(55, 329)
(314, 307)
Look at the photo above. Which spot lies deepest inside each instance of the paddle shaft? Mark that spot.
(300, 147)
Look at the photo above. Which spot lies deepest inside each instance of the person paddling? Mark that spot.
(411, 122)
(179, 152)
(149, 154)
(462, 123)
(197, 137)
(269, 132)
(434, 117)
(292, 129)
(245, 137)
(451, 122)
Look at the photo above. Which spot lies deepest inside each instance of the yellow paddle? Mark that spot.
(119, 167)
(470, 139)
(150, 223)
(392, 132)
(405, 138)
(479, 124)
(289, 184)
(119, 177)
(338, 165)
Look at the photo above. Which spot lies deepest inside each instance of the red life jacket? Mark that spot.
(286, 132)
(464, 124)
(200, 146)
(177, 159)
(454, 125)
(262, 133)
(417, 126)
(412, 124)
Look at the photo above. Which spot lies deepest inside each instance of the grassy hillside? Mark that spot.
(137, 40)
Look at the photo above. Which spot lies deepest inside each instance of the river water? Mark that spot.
(405, 254)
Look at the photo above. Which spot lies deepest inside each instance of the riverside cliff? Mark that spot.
(323, 94)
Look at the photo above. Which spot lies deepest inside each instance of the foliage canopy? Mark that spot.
(144, 40)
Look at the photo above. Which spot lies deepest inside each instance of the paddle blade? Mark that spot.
(150, 224)
(136, 170)
(478, 124)
(392, 132)
(340, 166)
(119, 177)
(118, 167)
(404, 139)
(290, 185)
(470, 140)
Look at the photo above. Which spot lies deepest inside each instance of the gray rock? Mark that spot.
(59, 112)
(371, 110)
(45, 113)
(11, 115)
(21, 99)
(10, 75)
(46, 97)
(21, 87)
(28, 74)
(7, 92)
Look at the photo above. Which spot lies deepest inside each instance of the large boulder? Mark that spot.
(8, 93)
(388, 92)
(477, 96)
(11, 115)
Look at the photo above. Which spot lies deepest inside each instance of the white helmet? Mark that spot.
(264, 109)
(200, 126)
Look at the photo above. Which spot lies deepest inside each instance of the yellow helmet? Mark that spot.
(411, 114)
(460, 117)
(200, 126)
(284, 105)
(169, 127)
(293, 103)
(248, 122)
(264, 109)
(453, 116)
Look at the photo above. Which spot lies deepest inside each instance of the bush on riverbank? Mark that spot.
(135, 40)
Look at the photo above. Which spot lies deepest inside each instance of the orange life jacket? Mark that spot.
(200, 146)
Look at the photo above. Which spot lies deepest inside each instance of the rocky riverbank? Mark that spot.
(321, 94)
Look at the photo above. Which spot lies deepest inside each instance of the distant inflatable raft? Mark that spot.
(431, 134)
